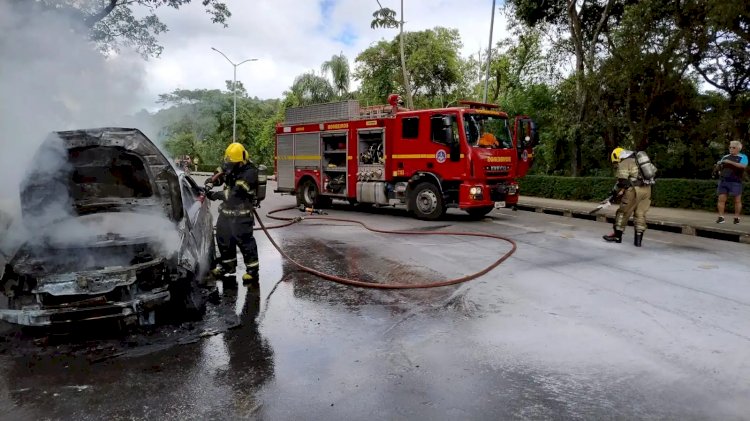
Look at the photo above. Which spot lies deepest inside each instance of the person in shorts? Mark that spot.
(730, 182)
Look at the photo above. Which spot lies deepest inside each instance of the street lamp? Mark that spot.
(489, 53)
(234, 90)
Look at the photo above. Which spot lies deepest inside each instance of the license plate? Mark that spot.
(499, 205)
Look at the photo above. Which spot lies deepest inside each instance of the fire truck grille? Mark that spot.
(497, 171)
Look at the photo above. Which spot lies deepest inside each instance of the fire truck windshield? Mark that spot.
(487, 131)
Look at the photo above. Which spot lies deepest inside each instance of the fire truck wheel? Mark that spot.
(310, 196)
(427, 202)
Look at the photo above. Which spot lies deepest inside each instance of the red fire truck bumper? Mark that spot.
(482, 195)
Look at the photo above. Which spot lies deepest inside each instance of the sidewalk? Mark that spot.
(685, 221)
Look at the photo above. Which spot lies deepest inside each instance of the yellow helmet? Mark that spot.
(235, 153)
(615, 156)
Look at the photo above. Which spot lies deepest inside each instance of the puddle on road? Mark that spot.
(96, 343)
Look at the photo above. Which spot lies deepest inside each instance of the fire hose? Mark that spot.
(364, 284)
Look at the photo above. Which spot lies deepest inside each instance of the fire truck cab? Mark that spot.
(467, 157)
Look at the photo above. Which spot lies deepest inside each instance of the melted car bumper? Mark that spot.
(91, 295)
(85, 310)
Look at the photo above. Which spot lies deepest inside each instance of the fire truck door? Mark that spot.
(526, 137)
(445, 145)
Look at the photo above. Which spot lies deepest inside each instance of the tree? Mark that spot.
(518, 62)
(433, 57)
(585, 21)
(338, 66)
(309, 88)
(721, 52)
(377, 70)
(112, 24)
(386, 18)
(199, 123)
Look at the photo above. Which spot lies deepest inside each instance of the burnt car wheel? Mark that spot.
(186, 299)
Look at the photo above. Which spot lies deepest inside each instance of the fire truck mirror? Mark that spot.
(442, 129)
(534, 134)
(455, 152)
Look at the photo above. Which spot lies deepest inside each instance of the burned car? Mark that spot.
(112, 231)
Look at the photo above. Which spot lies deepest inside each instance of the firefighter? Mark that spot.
(487, 138)
(234, 226)
(633, 194)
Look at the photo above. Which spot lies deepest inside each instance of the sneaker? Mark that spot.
(736, 220)
(720, 220)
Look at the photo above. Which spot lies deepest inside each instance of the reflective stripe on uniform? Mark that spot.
(252, 264)
(230, 212)
(229, 260)
(243, 184)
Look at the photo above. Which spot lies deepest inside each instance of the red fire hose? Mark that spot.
(354, 282)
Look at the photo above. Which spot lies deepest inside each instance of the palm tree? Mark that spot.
(338, 66)
(310, 88)
(386, 18)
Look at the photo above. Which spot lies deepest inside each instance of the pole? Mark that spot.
(407, 85)
(234, 91)
(489, 53)
(234, 111)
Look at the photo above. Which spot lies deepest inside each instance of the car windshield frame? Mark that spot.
(477, 124)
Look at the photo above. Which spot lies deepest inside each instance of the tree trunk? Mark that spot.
(407, 85)
(93, 19)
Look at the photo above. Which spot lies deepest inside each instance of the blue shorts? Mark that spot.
(731, 188)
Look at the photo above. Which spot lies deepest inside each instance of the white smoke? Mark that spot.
(51, 78)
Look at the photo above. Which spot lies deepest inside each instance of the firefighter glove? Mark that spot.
(208, 185)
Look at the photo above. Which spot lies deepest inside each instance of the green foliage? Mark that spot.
(377, 68)
(638, 79)
(309, 88)
(115, 23)
(433, 61)
(384, 18)
(667, 192)
(199, 123)
(338, 66)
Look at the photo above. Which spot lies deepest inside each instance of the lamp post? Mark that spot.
(489, 54)
(234, 90)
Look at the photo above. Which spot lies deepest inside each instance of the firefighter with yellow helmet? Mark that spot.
(234, 226)
(633, 191)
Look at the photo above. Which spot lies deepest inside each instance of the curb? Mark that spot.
(658, 224)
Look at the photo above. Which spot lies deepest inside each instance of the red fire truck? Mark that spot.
(467, 157)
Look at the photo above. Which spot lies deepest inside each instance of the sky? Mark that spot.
(51, 78)
(290, 37)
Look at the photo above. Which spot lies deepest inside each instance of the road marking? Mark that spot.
(565, 225)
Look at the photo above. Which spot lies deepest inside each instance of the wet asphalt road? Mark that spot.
(568, 328)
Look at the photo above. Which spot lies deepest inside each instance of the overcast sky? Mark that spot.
(290, 37)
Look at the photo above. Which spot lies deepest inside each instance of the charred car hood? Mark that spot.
(97, 242)
(94, 170)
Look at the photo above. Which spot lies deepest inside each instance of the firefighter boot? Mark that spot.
(226, 267)
(224, 274)
(638, 238)
(218, 272)
(615, 237)
(251, 279)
